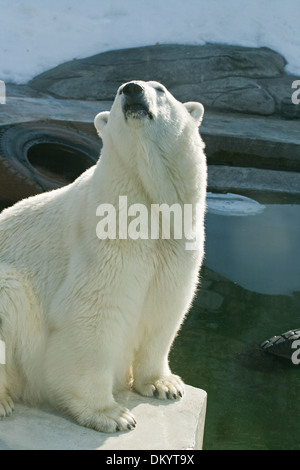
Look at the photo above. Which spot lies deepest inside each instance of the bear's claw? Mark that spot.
(6, 407)
(165, 388)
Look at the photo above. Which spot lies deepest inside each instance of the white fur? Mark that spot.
(77, 313)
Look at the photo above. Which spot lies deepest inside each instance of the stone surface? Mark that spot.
(27, 108)
(230, 179)
(222, 77)
(251, 141)
(280, 89)
(229, 94)
(208, 299)
(161, 425)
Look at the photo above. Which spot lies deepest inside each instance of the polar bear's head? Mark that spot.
(147, 106)
(156, 138)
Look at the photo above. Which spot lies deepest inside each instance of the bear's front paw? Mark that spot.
(169, 387)
(113, 419)
(6, 406)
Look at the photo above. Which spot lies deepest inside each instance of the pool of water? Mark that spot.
(250, 291)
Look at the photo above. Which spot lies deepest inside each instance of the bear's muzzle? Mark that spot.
(135, 104)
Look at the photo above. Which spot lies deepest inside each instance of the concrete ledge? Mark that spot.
(228, 178)
(25, 109)
(161, 425)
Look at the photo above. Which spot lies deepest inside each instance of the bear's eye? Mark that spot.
(159, 89)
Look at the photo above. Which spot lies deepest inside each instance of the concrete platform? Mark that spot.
(161, 425)
(222, 178)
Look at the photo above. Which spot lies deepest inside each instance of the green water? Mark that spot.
(253, 398)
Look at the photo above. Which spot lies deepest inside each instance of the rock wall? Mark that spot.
(224, 78)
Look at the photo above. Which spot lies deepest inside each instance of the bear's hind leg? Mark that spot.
(79, 376)
(20, 335)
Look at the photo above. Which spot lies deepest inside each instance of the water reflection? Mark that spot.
(259, 252)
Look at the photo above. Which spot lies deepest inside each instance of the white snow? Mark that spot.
(36, 35)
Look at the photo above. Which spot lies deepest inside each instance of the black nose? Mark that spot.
(132, 89)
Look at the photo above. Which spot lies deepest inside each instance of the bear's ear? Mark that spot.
(196, 110)
(100, 122)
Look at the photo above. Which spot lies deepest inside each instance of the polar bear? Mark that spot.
(83, 317)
